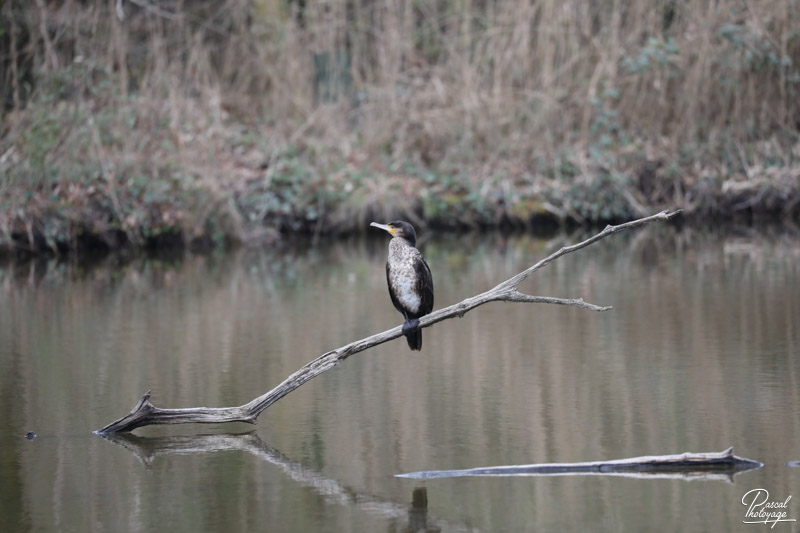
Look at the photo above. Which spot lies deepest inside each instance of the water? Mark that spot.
(699, 353)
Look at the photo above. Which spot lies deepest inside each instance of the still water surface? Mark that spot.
(701, 352)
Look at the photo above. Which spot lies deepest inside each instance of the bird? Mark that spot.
(409, 279)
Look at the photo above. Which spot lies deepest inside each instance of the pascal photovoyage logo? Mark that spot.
(762, 510)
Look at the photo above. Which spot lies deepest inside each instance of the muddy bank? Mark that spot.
(266, 207)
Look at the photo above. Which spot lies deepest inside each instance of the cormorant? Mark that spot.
(409, 279)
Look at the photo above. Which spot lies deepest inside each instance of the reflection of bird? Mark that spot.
(409, 278)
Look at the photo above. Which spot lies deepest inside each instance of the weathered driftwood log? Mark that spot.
(719, 465)
(145, 413)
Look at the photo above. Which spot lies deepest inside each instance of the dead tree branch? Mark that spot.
(145, 413)
(709, 466)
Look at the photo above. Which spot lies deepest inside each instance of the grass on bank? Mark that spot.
(214, 121)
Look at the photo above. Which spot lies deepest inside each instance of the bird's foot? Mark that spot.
(410, 325)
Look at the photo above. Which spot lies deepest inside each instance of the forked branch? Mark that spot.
(145, 413)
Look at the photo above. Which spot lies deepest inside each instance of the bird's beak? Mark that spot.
(384, 227)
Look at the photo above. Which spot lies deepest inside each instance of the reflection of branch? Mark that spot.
(146, 449)
(689, 466)
(145, 413)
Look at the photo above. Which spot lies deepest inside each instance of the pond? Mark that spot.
(699, 353)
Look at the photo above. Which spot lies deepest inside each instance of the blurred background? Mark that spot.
(166, 121)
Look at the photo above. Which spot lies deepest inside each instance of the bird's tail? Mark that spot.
(413, 333)
(414, 339)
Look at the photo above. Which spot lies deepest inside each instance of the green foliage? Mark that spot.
(39, 140)
(600, 198)
(656, 53)
(295, 194)
(607, 131)
(750, 53)
(756, 53)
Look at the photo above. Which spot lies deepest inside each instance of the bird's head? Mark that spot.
(399, 228)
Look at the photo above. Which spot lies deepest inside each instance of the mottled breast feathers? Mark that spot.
(409, 278)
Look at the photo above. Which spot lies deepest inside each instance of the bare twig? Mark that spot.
(50, 50)
(14, 55)
(145, 413)
(146, 5)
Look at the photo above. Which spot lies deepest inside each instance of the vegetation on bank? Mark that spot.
(198, 123)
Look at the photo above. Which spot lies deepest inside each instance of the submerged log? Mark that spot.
(714, 465)
(145, 413)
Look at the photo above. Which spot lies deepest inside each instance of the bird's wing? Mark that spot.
(424, 286)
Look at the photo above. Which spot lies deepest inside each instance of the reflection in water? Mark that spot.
(418, 512)
(146, 449)
(698, 353)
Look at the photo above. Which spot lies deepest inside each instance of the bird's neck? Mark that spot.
(401, 241)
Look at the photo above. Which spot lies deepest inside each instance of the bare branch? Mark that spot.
(145, 413)
(146, 5)
(522, 276)
(710, 466)
(515, 296)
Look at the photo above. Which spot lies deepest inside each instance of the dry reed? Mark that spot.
(519, 103)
